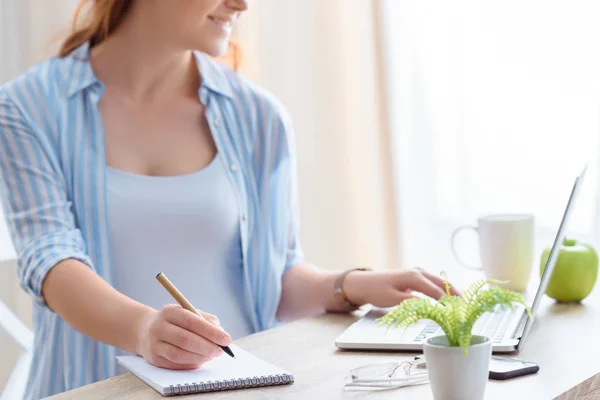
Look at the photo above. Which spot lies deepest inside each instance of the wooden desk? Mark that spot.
(565, 341)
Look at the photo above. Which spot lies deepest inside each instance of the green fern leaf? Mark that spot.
(488, 300)
(412, 310)
(454, 314)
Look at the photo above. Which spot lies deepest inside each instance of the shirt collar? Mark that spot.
(212, 75)
(82, 75)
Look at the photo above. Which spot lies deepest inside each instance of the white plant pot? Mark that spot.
(454, 376)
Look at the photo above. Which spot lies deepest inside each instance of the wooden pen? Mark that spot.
(183, 302)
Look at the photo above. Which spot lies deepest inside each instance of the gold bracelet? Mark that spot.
(338, 290)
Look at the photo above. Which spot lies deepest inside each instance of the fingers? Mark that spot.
(398, 296)
(180, 339)
(415, 280)
(197, 324)
(189, 341)
(162, 362)
(428, 288)
(210, 318)
(439, 282)
(179, 356)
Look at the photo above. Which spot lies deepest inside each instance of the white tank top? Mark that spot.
(187, 227)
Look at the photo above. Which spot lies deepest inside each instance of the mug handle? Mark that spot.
(456, 255)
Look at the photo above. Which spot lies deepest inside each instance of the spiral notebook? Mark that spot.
(222, 373)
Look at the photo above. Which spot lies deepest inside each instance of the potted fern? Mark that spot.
(458, 361)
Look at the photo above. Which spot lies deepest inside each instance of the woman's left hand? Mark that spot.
(389, 288)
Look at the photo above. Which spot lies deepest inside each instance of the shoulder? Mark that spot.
(38, 89)
(246, 94)
(268, 122)
(51, 76)
(273, 128)
(262, 99)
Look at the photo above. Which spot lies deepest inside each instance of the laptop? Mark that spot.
(507, 328)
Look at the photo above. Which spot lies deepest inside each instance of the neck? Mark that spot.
(139, 62)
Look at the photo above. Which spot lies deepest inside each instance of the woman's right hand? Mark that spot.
(176, 338)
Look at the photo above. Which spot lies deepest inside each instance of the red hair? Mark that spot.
(96, 20)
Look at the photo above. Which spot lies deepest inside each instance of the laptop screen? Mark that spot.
(560, 237)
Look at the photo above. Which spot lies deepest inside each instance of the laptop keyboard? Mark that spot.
(492, 325)
(430, 329)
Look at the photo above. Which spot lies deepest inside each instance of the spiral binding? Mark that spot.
(214, 386)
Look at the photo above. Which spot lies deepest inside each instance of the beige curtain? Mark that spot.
(322, 60)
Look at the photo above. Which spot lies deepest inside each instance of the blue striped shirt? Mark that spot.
(52, 163)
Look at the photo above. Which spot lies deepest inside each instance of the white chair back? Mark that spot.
(15, 386)
(14, 327)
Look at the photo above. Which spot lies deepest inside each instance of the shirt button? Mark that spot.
(244, 217)
(215, 121)
(233, 167)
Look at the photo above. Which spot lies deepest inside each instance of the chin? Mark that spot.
(214, 49)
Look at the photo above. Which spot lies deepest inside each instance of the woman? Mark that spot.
(128, 155)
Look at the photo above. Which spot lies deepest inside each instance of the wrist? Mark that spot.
(141, 329)
(350, 289)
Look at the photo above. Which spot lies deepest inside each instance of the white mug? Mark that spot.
(506, 247)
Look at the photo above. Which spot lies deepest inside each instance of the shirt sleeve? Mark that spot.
(34, 198)
(295, 253)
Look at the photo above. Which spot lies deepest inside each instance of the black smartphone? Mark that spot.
(502, 368)
(506, 368)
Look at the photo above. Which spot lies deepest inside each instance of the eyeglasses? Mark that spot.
(388, 375)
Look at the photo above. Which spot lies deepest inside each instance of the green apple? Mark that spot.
(575, 273)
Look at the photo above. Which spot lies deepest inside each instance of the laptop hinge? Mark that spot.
(521, 327)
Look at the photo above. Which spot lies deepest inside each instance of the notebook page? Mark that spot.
(245, 365)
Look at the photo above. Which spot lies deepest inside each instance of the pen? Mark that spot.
(183, 302)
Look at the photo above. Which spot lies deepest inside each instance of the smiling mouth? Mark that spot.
(224, 23)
